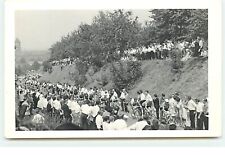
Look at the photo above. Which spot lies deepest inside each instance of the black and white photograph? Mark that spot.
(121, 70)
(115, 70)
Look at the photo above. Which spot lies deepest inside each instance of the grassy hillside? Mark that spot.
(158, 78)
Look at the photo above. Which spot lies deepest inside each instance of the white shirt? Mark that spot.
(201, 43)
(94, 110)
(38, 119)
(85, 109)
(114, 96)
(172, 102)
(138, 125)
(56, 104)
(122, 96)
(99, 121)
(42, 103)
(105, 126)
(148, 97)
(111, 126)
(74, 106)
(120, 124)
(191, 105)
(199, 107)
(102, 94)
(142, 96)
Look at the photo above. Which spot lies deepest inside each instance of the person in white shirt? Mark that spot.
(200, 45)
(99, 121)
(56, 105)
(111, 123)
(42, 103)
(185, 120)
(85, 111)
(191, 105)
(114, 96)
(122, 99)
(138, 125)
(148, 99)
(76, 109)
(38, 119)
(141, 97)
(199, 110)
(94, 110)
(172, 106)
(121, 124)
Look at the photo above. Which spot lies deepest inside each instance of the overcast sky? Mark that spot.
(38, 30)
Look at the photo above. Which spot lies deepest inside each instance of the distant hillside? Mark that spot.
(31, 56)
(158, 78)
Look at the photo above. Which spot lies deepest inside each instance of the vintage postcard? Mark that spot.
(136, 70)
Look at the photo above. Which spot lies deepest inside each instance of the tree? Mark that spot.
(125, 74)
(47, 67)
(180, 24)
(99, 42)
(35, 65)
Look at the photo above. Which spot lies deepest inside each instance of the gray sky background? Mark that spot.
(38, 30)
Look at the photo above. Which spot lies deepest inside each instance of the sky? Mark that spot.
(38, 30)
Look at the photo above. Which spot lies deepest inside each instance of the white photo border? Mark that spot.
(214, 64)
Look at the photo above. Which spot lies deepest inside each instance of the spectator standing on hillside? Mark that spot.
(191, 105)
(205, 114)
(148, 99)
(156, 105)
(196, 47)
(142, 97)
(201, 43)
(99, 120)
(199, 110)
(123, 98)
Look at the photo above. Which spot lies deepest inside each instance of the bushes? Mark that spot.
(104, 80)
(47, 67)
(35, 66)
(78, 79)
(82, 67)
(176, 63)
(125, 74)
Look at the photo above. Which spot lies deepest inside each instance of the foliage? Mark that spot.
(180, 24)
(176, 63)
(104, 79)
(82, 67)
(47, 67)
(125, 74)
(22, 67)
(100, 41)
(19, 70)
(35, 66)
(111, 33)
